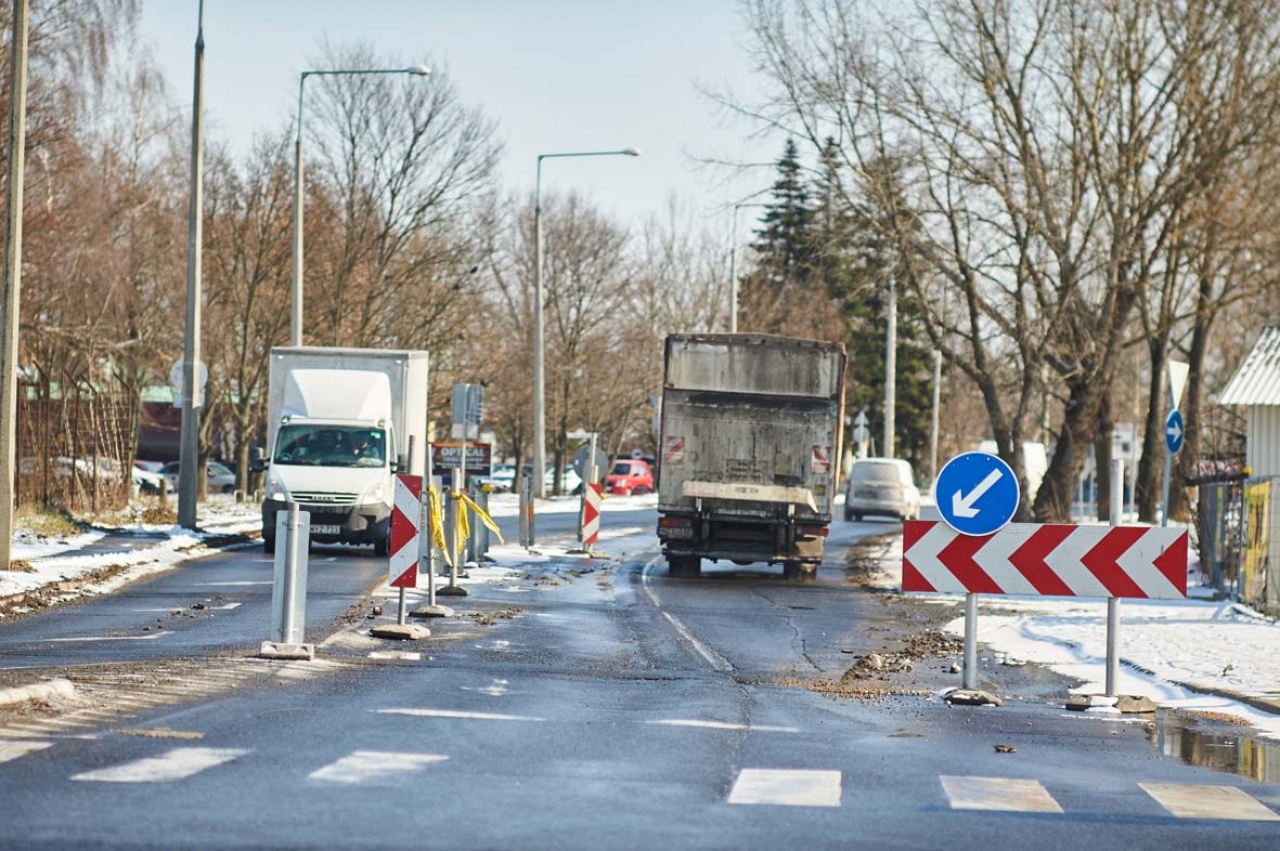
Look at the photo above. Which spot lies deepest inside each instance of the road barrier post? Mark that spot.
(526, 512)
(289, 591)
(1113, 603)
(456, 545)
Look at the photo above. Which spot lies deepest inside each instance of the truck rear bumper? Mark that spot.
(742, 541)
(354, 524)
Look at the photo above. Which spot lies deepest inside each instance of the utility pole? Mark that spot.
(190, 468)
(12, 283)
(890, 370)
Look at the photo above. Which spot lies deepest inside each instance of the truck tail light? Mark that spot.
(675, 523)
(813, 530)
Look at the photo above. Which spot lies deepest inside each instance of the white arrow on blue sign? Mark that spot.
(976, 493)
(1174, 431)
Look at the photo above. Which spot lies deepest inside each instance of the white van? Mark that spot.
(881, 486)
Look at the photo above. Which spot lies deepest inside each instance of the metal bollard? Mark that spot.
(289, 591)
(526, 512)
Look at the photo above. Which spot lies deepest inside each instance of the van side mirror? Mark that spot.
(257, 460)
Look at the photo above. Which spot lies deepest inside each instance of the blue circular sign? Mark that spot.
(976, 493)
(1174, 431)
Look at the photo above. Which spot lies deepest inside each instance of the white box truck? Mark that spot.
(749, 449)
(340, 422)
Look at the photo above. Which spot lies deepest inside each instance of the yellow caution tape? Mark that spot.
(482, 515)
(435, 510)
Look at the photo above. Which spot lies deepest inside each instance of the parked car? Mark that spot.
(220, 477)
(145, 480)
(630, 476)
(501, 478)
(883, 487)
(572, 481)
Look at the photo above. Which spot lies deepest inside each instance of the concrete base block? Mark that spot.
(272, 650)
(451, 591)
(1126, 704)
(432, 612)
(400, 632)
(972, 697)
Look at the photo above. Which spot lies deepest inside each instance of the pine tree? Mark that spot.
(783, 248)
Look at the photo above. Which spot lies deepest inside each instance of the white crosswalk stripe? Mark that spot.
(363, 768)
(17, 748)
(1186, 800)
(176, 764)
(1006, 794)
(792, 788)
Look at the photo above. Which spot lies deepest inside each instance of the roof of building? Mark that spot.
(1257, 379)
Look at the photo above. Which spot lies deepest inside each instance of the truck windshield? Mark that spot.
(330, 446)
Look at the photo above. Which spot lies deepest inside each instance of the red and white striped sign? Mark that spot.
(820, 460)
(1056, 560)
(673, 451)
(591, 513)
(402, 566)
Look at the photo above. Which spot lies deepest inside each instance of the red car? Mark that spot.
(631, 476)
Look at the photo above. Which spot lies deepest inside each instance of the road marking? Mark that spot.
(786, 788)
(723, 725)
(371, 767)
(402, 655)
(446, 713)
(174, 765)
(150, 637)
(496, 688)
(713, 658)
(15, 749)
(1006, 794)
(644, 582)
(1185, 800)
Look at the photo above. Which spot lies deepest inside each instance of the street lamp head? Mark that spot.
(631, 152)
(418, 70)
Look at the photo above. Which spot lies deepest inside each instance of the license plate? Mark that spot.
(326, 529)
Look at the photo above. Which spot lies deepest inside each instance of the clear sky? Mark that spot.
(557, 75)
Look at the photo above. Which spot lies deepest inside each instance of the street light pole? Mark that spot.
(189, 447)
(295, 315)
(733, 267)
(12, 282)
(539, 355)
(890, 369)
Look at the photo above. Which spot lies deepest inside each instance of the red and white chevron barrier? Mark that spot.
(402, 565)
(1047, 559)
(594, 494)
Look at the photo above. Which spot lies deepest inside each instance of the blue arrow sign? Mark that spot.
(976, 493)
(1174, 431)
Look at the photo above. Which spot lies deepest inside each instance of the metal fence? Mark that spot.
(1238, 529)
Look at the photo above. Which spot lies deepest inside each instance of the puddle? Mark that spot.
(1220, 750)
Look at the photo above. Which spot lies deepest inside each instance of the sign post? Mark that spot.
(977, 494)
(1174, 432)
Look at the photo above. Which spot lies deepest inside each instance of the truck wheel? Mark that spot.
(799, 571)
(684, 566)
(382, 547)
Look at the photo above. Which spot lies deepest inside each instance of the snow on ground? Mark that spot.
(1170, 651)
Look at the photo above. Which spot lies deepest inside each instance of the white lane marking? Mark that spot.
(174, 765)
(644, 582)
(15, 749)
(713, 658)
(1006, 794)
(403, 655)
(368, 767)
(723, 725)
(246, 582)
(446, 713)
(497, 688)
(150, 637)
(786, 787)
(1186, 800)
(228, 607)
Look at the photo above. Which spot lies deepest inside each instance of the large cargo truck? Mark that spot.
(750, 446)
(340, 425)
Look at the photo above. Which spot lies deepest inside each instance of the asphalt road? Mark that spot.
(605, 705)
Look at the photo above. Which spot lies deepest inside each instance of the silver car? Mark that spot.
(881, 486)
